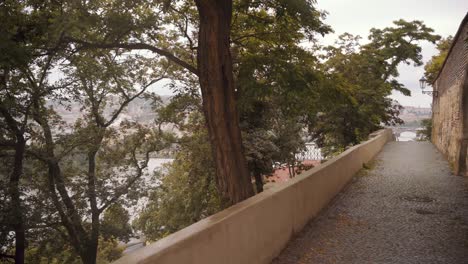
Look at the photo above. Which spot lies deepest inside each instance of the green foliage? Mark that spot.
(276, 77)
(108, 251)
(74, 171)
(116, 223)
(188, 192)
(275, 83)
(51, 255)
(57, 251)
(353, 96)
(434, 65)
(426, 133)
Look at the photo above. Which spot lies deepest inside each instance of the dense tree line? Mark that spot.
(248, 93)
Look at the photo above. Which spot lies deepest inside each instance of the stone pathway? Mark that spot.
(407, 208)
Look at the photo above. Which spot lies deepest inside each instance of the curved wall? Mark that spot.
(257, 229)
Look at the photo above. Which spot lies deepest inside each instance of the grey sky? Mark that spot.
(358, 16)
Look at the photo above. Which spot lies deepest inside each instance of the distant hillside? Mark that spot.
(138, 110)
(412, 116)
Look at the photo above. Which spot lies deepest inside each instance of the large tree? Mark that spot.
(275, 85)
(203, 32)
(213, 67)
(358, 78)
(20, 34)
(101, 159)
(79, 169)
(219, 103)
(13, 143)
(276, 78)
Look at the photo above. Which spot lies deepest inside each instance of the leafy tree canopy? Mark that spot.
(357, 80)
(434, 65)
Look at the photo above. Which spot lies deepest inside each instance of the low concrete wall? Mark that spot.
(257, 229)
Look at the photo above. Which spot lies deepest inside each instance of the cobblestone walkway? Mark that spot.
(407, 208)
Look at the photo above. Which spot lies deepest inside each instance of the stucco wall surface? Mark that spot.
(257, 229)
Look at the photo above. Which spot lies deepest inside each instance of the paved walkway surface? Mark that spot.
(407, 208)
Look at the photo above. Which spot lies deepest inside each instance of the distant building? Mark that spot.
(412, 116)
(450, 106)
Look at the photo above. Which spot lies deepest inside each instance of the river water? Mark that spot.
(407, 136)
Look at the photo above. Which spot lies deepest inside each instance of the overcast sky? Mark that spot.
(358, 16)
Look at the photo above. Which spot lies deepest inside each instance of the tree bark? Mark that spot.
(217, 85)
(258, 181)
(63, 203)
(20, 236)
(219, 104)
(92, 245)
(13, 188)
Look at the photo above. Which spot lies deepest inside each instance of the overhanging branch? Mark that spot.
(138, 46)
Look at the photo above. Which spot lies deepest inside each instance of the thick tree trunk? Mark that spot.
(90, 254)
(219, 104)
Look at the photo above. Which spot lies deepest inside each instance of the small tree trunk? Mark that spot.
(258, 181)
(92, 245)
(219, 105)
(20, 237)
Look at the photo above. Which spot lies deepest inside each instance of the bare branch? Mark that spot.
(124, 188)
(184, 29)
(129, 100)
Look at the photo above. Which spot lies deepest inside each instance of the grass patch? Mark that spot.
(367, 167)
